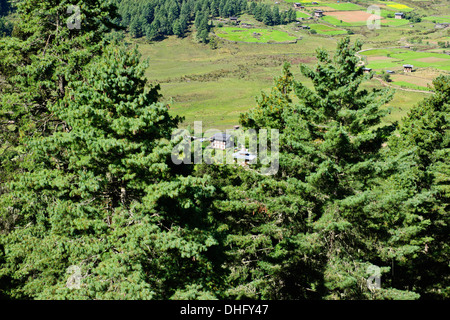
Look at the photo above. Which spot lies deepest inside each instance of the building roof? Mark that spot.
(367, 69)
(407, 66)
(244, 155)
(220, 136)
(399, 13)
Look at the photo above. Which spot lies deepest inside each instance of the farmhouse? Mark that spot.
(367, 70)
(399, 15)
(318, 13)
(235, 20)
(298, 6)
(243, 157)
(407, 67)
(221, 141)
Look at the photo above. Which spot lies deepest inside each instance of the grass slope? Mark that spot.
(327, 30)
(258, 35)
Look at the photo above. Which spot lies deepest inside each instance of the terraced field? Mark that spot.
(438, 19)
(398, 6)
(326, 30)
(395, 58)
(343, 6)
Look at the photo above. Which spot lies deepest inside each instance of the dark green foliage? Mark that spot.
(386, 76)
(99, 194)
(6, 27)
(5, 7)
(39, 61)
(88, 184)
(202, 26)
(156, 19)
(271, 16)
(414, 198)
(351, 205)
(329, 157)
(413, 17)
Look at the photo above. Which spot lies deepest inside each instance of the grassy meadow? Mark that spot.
(253, 35)
(395, 58)
(216, 86)
(327, 30)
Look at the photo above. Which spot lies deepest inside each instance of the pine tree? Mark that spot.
(177, 30)
(411, 202)
(329, 156)
(46, 52)
(100, 195)
(276, 16)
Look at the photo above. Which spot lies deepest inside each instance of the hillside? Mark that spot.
(238, 151)
(216, 83)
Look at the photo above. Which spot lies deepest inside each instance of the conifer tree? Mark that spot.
(100, 195)
(410, 207)
(47, 51)
(330, 151)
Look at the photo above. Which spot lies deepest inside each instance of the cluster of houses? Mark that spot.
(298, 5)
(317, 13)
(406, 68)
(223, 141)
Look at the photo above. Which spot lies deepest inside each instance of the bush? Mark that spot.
(385, 76)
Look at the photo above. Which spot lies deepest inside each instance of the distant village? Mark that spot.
(225, 141)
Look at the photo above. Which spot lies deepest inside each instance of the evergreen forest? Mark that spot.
(87, 178)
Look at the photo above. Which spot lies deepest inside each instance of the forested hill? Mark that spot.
(156, 18)
(95, 203)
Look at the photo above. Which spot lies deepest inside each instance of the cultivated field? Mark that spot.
(395, 58)
(352, 16)
(327, 30)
